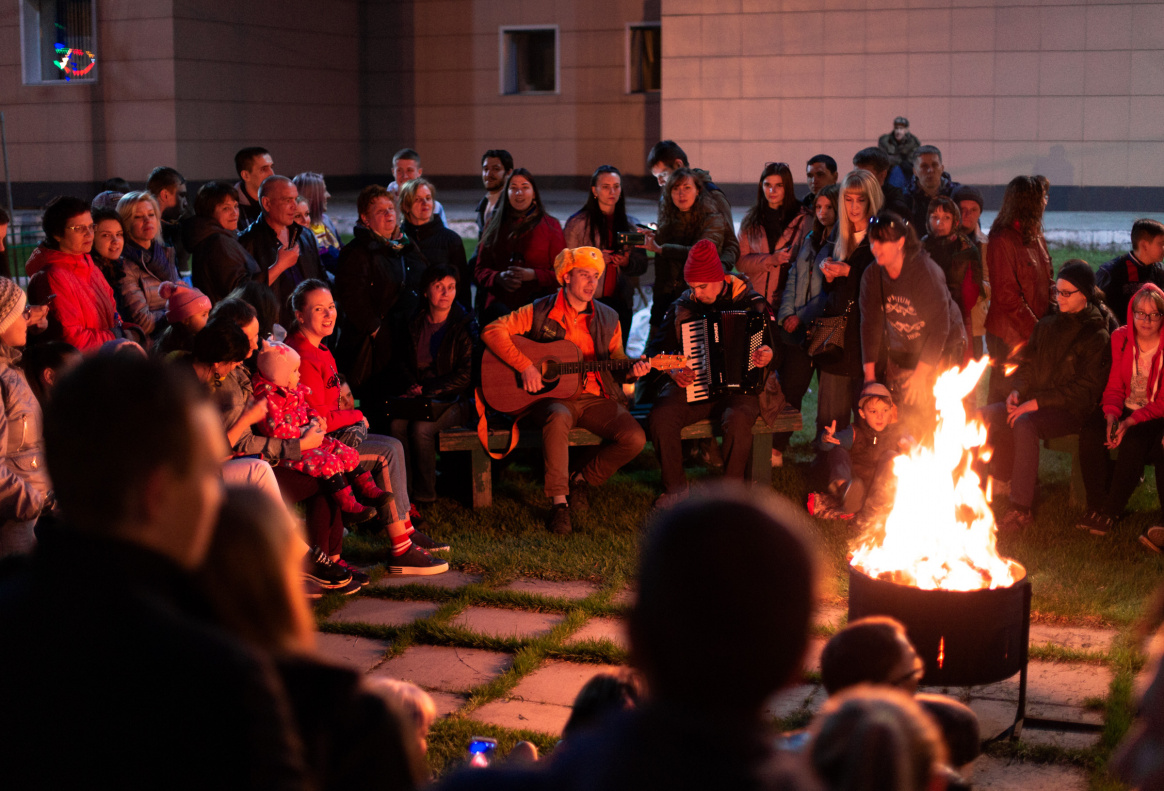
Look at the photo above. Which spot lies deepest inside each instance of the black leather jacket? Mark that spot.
(451, 374)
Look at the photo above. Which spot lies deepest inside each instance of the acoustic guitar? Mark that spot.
(563, 373)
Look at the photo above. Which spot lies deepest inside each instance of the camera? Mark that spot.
(629, 238)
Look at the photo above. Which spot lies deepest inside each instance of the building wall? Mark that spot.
(460, 111)
(1072, 90)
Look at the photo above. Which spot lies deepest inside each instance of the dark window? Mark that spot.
(58, 40)
(644, 59)
(529, 60)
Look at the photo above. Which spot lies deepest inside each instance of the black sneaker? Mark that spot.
(320, 569)
(579, 495)
(558, 522)
(426, 543)
(357, 575)
(416, 562)
(1153, 539)
(1095, 523)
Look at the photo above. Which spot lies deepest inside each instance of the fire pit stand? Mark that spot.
(965, 638)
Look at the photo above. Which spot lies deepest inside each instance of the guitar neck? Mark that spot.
(595, 366)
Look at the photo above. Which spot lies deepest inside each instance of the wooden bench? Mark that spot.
(459, 439)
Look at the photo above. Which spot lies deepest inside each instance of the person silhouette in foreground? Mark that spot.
(711, 656)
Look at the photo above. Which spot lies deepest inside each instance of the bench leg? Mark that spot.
(482, 478)
(762, 459)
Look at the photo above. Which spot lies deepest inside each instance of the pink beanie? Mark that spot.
(182, 301)
(703, 264)
(277, 361)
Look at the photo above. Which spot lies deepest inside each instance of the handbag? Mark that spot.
(826, 336)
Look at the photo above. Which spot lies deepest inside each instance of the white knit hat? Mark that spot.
(12, 302)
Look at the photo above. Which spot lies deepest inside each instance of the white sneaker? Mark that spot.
(777, 458)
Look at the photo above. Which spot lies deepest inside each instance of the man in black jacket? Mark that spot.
(1121, 277)
(284, 250)
(929, 181)
(254, 166)
(115, 674)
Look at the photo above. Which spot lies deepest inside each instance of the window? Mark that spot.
(529, 60)
(643, 60)
(59, 41)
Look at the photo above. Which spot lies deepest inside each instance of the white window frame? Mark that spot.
(630, 28)
(30, 54)
(501, 64)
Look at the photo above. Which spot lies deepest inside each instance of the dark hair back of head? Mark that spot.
(666, 151)
(260, 297)
(1145, 230)
(163, 178)
(210, 196)
(751, 610)
(864, 652)
(829, 163)
(122, 408)
(501, 154)
(245, 158)
(40, 357)
(116, 184)
(236, 310)
(1022, 204)
(221, 341)
(872, 158)
(57, 214)
(604, 694)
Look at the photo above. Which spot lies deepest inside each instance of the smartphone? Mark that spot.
(629, 239)
(481, 749)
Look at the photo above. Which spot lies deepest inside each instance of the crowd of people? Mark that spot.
(313, 375)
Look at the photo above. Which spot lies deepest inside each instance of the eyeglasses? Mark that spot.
(1139, 314)
(1066, 293)
(81, 228)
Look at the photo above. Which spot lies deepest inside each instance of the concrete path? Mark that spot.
(540, 700)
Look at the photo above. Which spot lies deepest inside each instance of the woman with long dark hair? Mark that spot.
(841, 374)
(515, 259)
(597, 224)
(1019, 269)
(772, 232)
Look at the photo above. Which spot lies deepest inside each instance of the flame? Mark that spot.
(941, 533)
(941, 652)
(1009, 368)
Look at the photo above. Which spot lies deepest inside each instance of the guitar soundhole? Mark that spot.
(550, 372)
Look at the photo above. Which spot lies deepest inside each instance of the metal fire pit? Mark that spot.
(965, 638)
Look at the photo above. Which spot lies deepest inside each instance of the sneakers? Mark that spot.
(558, 522)
(357, 576)
(320, 569)
(1153, 539)
(1095, 523)
(416, 562)
(426, 543)
(1016, 519)
(579, 494)
(825, 506)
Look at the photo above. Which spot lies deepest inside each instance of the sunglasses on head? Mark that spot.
(887, 227)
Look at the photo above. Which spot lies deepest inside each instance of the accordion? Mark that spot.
(719, 349)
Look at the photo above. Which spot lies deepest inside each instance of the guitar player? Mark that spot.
(572, 314)
(709, 290)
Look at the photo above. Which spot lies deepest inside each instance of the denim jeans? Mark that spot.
(1016, 449)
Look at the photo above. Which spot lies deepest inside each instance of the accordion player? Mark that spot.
(719, 348)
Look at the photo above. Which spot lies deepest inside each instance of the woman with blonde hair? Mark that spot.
(144, 265)
(876, 739)
(251, 576)
(841, 375)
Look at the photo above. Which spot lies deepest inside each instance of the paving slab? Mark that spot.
(358, 653)
(574, 590)
(625, 597)
(1079, 639)
(384, 612)
(994, 716)
(446, 702)
(446, 669)
(1002, 774)
(450, 580)
(612, 629)
(793, 699)
(1057, 683)
(524, 714)
(558, 682)
(495, 622)
(812, 654)
(833, 615)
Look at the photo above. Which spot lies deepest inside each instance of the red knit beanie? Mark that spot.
(703, 264)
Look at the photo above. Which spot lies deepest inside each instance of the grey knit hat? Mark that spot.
(12, 302)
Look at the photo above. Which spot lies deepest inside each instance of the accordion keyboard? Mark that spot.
(697, 351)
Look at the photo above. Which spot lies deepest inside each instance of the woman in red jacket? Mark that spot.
(1132, 409)
(83, 309)
(515, 259)
(1019, 269)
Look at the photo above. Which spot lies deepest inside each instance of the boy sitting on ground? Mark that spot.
(859, 459)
